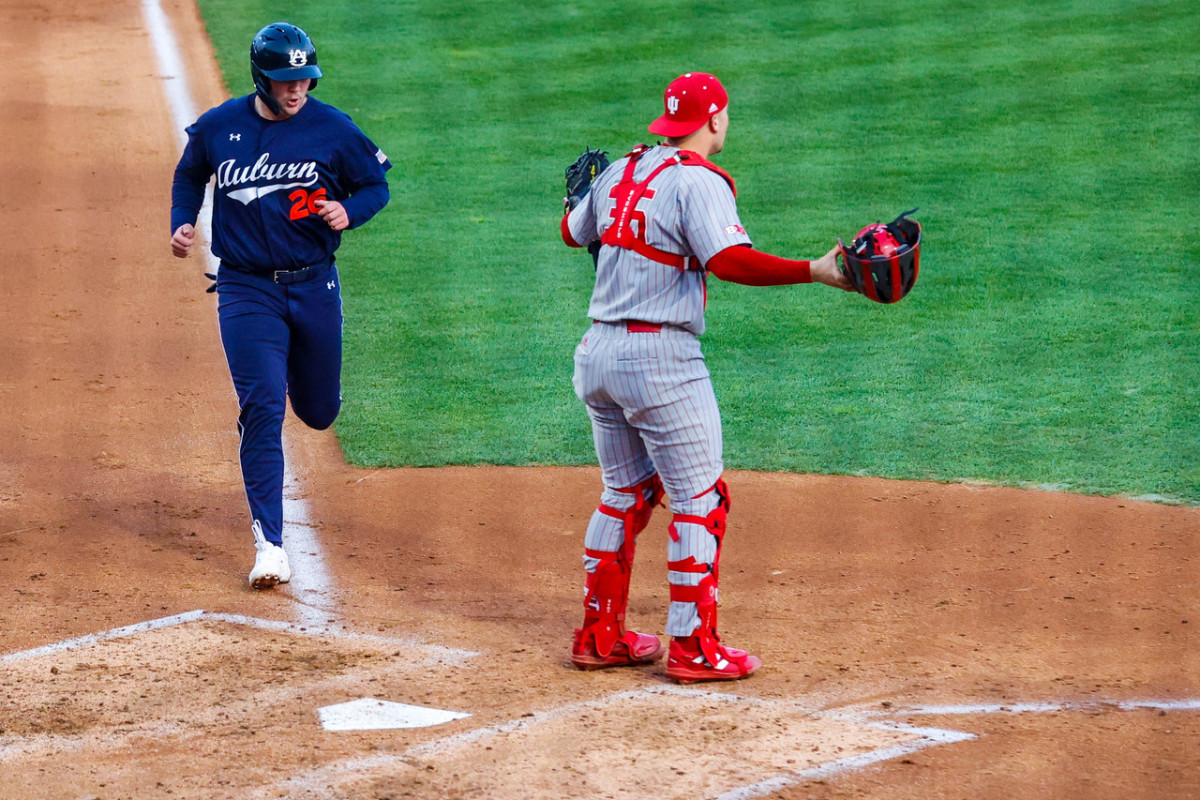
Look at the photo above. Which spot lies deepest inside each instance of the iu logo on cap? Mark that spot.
(673, 104)
(297, 58)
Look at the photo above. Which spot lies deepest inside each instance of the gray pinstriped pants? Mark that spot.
(653, 409)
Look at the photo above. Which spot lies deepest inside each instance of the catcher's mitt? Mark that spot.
(581, 174)
(883, 260)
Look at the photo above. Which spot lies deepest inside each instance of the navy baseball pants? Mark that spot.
(280, 341)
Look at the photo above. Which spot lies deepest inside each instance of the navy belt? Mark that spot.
(286, 276)
(283, 277)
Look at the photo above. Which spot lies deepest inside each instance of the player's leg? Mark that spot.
(314, 364)
(681, 427)
(697, 533)
(255, 337)
(631, 490)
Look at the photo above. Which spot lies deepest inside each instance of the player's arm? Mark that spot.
(580, 228)
(182, 240)
(716, 235)
(743, 264)
(363, 167)
(187, 193)
(365, 202)
(567, 238)
(579, 220)
(578, 225)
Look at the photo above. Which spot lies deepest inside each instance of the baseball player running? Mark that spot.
(292, 173)
(666, 218)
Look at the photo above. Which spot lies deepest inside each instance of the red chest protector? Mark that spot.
(627, 194)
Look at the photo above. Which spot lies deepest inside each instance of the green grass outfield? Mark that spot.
(1054, 149)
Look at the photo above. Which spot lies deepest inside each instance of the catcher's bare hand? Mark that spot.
(334, 214)
(182, 240)
(825, 270)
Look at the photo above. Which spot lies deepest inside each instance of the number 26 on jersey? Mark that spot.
(304, 202)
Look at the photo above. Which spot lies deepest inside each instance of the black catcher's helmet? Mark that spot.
(883, 261)
(281, 52)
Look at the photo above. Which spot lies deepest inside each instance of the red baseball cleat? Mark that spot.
(688, 664)
(630, 650)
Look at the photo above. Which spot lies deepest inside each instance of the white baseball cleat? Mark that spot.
(270, 564)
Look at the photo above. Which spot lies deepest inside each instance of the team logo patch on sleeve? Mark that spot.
(735, 229)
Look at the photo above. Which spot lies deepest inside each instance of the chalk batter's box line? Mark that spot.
(450, 655)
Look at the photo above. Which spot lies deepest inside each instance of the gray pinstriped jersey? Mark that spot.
(692, 212)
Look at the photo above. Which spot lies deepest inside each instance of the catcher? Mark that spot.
(660, 221)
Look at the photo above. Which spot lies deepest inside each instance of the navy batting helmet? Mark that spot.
(883, 260)
(281, 52)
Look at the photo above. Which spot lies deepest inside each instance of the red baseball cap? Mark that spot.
(690, 101)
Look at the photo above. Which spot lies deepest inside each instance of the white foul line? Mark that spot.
(311, 583)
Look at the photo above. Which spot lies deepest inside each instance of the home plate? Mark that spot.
(369, 714)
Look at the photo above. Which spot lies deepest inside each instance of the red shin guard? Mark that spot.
(603, 640)
(701, 656)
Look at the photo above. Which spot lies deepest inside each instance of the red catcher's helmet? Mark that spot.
(883, 260)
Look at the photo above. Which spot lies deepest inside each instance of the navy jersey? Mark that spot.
(270, 175)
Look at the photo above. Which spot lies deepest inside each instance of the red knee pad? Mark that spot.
(637, 517)
(714, 521)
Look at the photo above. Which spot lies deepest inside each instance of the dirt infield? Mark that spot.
(919, 640)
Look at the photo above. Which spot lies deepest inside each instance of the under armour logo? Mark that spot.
(235, 137)
(672, 104)
(330, 285)
(297, 58)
